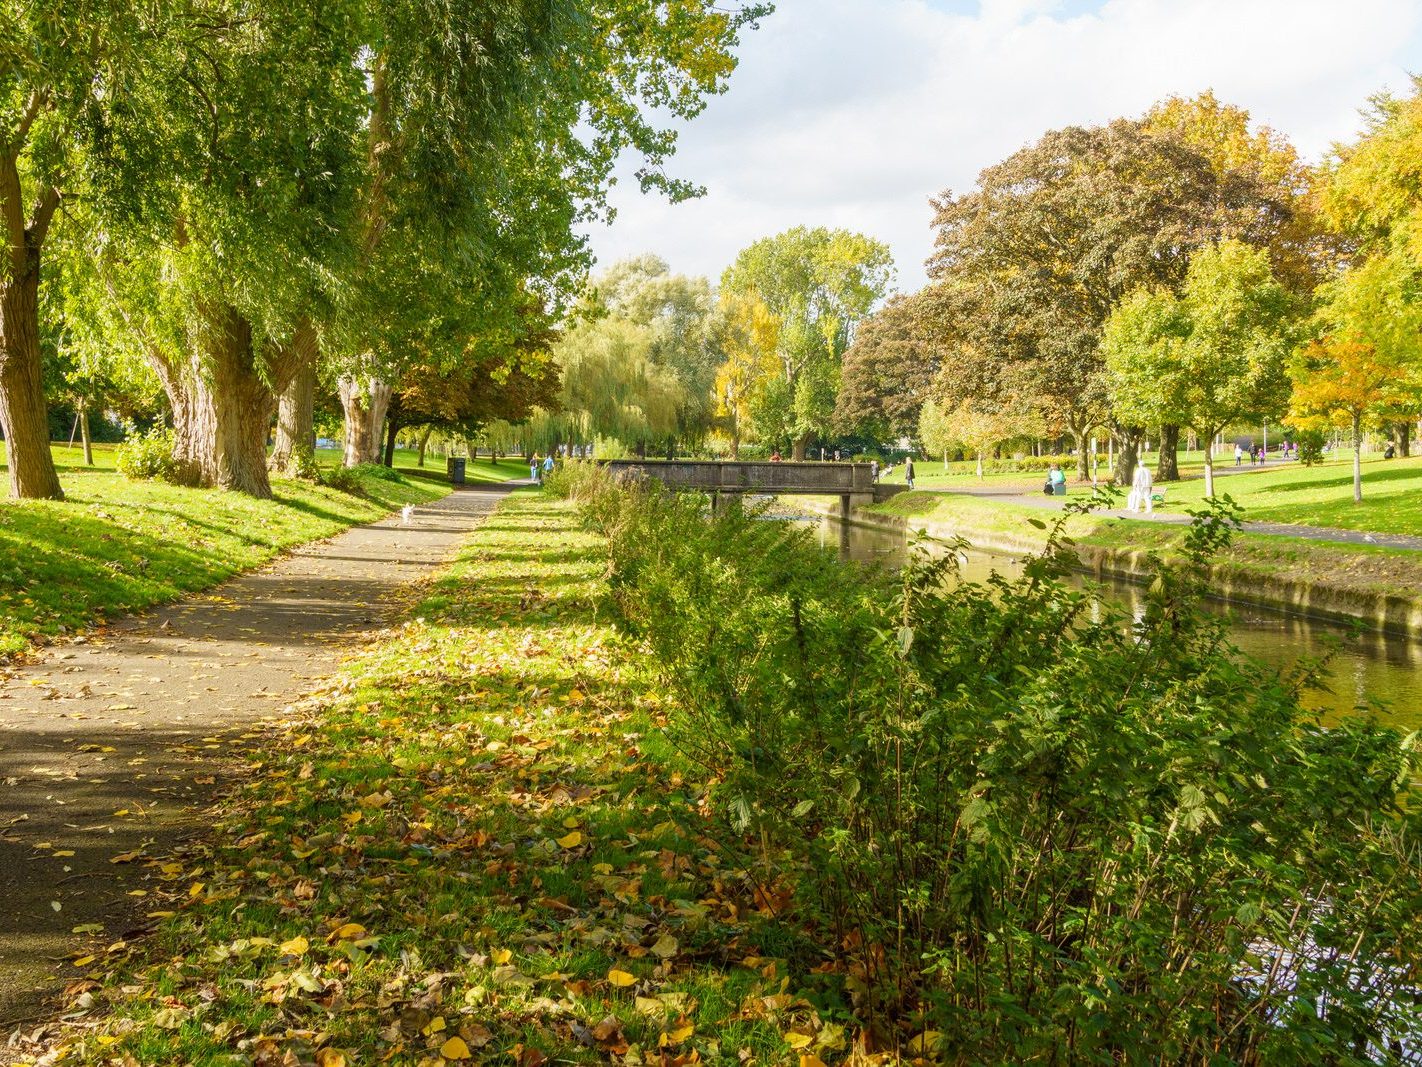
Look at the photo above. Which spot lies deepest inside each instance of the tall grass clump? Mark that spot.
(1021, 825)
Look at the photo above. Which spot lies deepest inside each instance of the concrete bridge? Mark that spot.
(853, 483)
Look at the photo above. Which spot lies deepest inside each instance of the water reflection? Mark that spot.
(1364, 665)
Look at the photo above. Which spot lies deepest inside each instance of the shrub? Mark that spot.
(343, 479)
(1310, 445)
(1033, 827)
(149, 455)
(376, 470)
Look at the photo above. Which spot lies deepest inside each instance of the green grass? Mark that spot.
(114, 546)
(476, 472)
(1365, 568)
(487, 796)
(1290, 493)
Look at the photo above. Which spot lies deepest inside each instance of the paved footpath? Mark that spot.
(110, 747)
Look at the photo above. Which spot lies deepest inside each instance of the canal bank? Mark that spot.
(1338, 584)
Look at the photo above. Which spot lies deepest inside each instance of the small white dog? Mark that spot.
(407, 513)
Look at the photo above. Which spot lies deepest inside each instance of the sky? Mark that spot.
(853, 113)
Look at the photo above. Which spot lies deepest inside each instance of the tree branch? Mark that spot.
(43, 214)
(33, 107)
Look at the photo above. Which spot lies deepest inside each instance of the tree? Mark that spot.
(746, 335)
(1056, 235)
(1144, 367)
(1242, 329)
(427, 170)
(818, 284)
(1342, 381)
(976, 429)
(54, 58)
(889, 369)
(1371, 195)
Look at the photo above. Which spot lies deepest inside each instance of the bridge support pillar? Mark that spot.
(846, 504)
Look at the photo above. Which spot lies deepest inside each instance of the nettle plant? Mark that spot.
(1019, 824)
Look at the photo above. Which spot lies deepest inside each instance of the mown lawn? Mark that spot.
(115, 545)
(477, 846)
(1366, 568)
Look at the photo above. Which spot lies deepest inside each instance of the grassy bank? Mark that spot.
(1289, 492)
(115, 546)
(477, 847)
(1365, 568)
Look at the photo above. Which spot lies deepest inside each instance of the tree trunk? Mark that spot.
(798, 446)
(222, 408)
(1357, 459)
(1402, 438)
(1127, 455)
(1167, 466)
(296, 423)
(84, 434)
(23, 414)
(392, 430)
(425, 442)
(364, 402)
(980, 463)
(1210, 464)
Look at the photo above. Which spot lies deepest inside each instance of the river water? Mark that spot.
(1362, 667)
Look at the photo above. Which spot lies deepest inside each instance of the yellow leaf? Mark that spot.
(620, 978)
(195, 890)
(809, 1059)
(330, 1057)
(681, 1033)
(454, 1049)
(63, 852)
(572, 840)
(926, 1042)
(83, 961)
(570, 823)
(348, 932)
(297, 946)
(501, 956)
(434, 1026)
(666, 946)
(795, 1040)
(575, 696)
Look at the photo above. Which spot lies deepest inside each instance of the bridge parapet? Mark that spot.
(728, 476)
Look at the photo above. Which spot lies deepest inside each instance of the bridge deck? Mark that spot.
(728, 476)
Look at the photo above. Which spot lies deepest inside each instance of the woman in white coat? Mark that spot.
(1140, 495)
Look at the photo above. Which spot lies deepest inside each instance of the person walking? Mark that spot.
(1238, 455)
(908, 472)
(547, 465)
(533, 469)
(1140, 495)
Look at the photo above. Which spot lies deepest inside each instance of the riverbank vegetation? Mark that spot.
(1025, 824)
(115, 545)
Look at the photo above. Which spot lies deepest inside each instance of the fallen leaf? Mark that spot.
(455, 1049)
(621, 978)
(572, 840)
(297, 946)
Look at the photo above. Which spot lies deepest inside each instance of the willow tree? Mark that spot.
(819, 284)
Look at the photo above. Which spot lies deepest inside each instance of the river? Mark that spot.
(1369, 666)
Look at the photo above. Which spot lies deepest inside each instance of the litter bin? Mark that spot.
(456, 470)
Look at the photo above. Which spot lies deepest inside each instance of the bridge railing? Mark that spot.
(728, 476)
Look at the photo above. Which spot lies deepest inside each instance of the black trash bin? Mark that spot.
(456, 470)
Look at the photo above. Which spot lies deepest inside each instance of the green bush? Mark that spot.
(344, 479)
(148, 456)
(376, 470)
(1310, 445)
(1025, 823)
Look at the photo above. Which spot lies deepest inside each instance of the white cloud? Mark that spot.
(854, 112)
